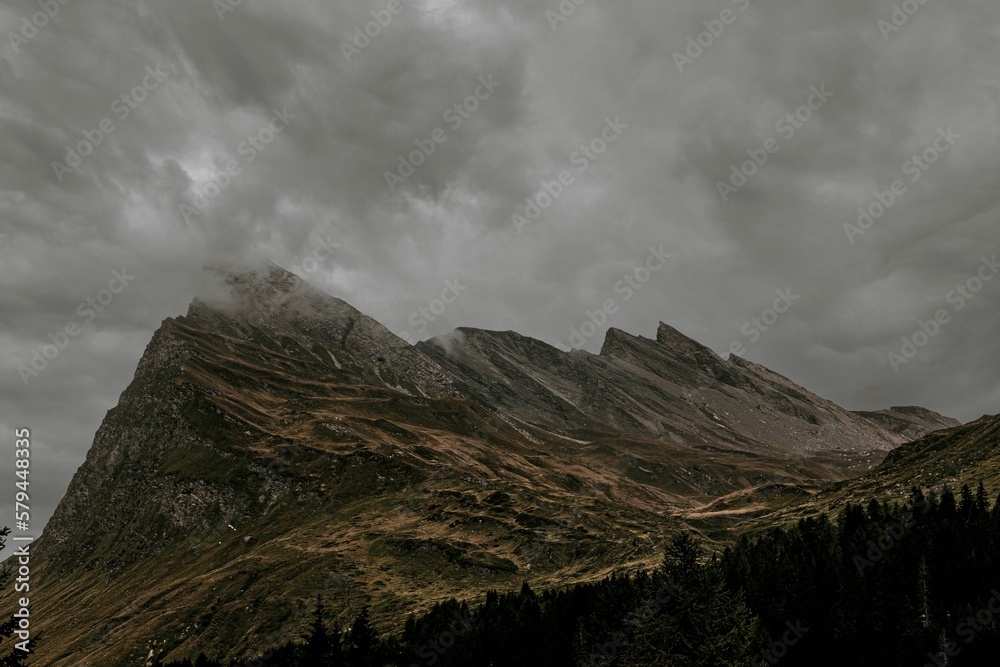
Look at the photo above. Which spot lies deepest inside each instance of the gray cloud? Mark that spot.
(323, 177)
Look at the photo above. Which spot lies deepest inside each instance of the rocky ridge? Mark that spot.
(276, 443)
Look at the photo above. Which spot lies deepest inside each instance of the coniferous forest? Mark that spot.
(882, 585)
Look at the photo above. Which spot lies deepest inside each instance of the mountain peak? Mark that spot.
(264, 284)
(275, 309)
(266, 295)
(613, 338)
(248, 279)
(670, 337)
(274, 399)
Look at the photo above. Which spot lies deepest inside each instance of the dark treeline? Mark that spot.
(882, 585)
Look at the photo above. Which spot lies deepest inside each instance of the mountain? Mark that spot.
(957, 456)
(668, 388)
(908, 422)
(276, 443)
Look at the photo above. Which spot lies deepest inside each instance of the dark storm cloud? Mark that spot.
(348, 116)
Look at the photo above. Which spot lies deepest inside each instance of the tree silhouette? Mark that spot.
(322, 646)
(361, 645)
(16, 657)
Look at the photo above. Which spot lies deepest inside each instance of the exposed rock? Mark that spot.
(276, 443)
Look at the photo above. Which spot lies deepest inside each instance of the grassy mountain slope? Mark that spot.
(276, 443)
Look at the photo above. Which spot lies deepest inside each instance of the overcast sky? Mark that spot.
(281, 131)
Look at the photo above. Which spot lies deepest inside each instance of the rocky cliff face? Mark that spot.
(668, 388)
(147, 421)
(909, 422)
(276, 443)
(955, 456)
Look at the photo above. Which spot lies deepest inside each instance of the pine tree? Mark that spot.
(361, 648)
(702, 624)
(16, 657)
(982, 500)
(322, 647)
